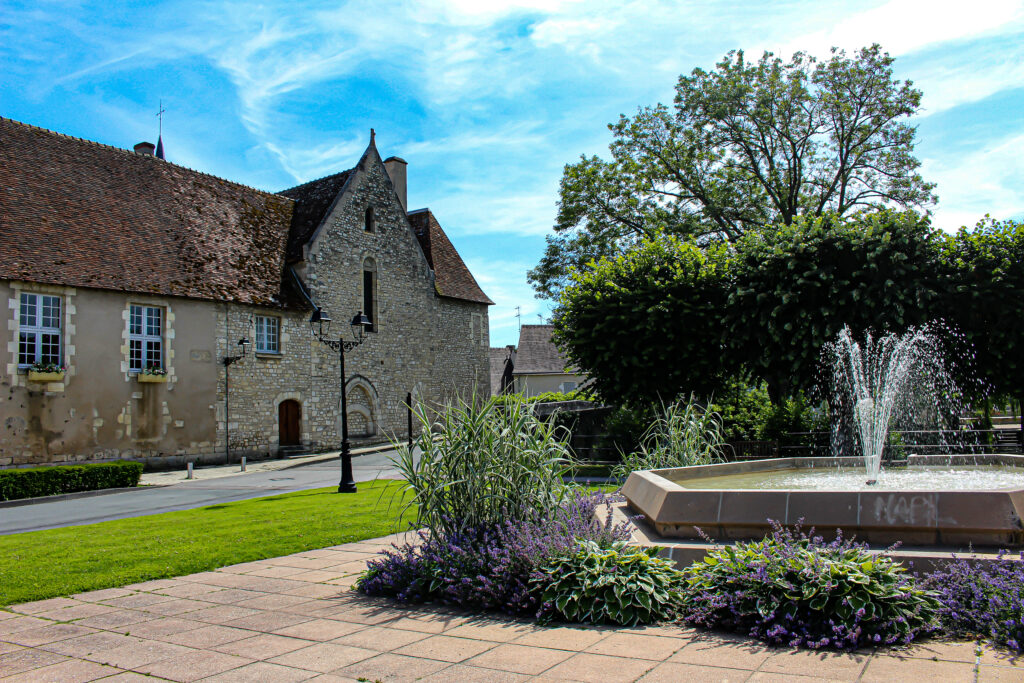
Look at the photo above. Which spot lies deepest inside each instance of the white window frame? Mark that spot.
(262, 338)
(565, 388)
(34, 304)
(143, 336)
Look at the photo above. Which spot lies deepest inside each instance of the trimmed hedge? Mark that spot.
(51, 481)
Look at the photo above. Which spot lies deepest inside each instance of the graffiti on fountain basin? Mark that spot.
(905, 509)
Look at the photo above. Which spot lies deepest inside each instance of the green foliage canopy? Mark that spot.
(984, 278)
(795, 287)
(648, 323)
(746, 146)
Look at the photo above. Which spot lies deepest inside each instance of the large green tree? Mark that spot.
(746, 146)
(795, 288)
(648, 324)
(984, 271)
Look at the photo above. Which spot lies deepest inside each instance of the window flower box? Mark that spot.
(45, 372)
(152, 374)
(40, 376)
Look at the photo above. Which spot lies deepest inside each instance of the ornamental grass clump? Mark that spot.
(489, 568)
(685, 433)
(607, 585)
(797, 590)
(481, 463)
(983, 599)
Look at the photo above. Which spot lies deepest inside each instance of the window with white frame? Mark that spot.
(566, 387)
(39, 329)
(145, 337)
(268, 334)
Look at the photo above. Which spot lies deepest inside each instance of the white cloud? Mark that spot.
(969, 186)
(905, 26)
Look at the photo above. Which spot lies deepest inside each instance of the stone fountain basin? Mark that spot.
(978, 518)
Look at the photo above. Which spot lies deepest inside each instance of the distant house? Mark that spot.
(537, 365)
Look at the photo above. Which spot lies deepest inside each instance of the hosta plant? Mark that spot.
(794, 589)
(607, 585)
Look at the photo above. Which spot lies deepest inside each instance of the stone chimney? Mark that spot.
(396, 169)
(145, 148)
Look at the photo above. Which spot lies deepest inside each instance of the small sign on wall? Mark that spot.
(200, 356)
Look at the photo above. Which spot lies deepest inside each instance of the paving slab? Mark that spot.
(252, 623)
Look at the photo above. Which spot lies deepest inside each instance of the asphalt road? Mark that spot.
(188, 495)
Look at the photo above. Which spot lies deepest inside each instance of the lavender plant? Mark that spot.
(489, 567)
(795, 589)
(982, 599)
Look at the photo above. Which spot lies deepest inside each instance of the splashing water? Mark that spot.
(874, 377)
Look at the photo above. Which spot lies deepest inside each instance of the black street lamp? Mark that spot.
(228, 360)
(359, 323)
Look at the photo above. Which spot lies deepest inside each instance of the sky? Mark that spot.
(486, 99)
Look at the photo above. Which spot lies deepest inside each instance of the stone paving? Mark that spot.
(293, 619)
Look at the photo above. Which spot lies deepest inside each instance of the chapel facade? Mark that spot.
(135, 278)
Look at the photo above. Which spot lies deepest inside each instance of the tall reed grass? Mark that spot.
(685, 433)
(482, 463)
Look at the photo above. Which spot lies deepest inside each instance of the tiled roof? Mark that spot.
(314, 201)
(537, 354)
(451, 276)
(78, 213)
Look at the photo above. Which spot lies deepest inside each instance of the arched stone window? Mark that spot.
(369, 225)
(370, 292)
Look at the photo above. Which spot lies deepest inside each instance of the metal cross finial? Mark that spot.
(160, 115)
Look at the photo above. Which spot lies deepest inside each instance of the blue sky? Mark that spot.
(486, 100)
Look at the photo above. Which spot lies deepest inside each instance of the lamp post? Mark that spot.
(359, 323)
(228, 360)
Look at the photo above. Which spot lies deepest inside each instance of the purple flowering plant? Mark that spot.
(983, 599)
(489, 567)
(793, 588)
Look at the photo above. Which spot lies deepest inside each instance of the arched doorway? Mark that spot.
(289, 421)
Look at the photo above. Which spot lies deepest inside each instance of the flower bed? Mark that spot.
(982, 599)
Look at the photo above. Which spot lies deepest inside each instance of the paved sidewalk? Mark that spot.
(218, 471)
(293, 619)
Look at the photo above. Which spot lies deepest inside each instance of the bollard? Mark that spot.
(243, 463)
(189, 476)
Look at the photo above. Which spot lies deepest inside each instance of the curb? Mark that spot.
(18, 502)
(369, 450)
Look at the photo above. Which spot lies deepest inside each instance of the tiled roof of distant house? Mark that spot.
(78, 213)
(537, 354)
(451, 276)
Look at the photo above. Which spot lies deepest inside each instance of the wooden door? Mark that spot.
(289, 419)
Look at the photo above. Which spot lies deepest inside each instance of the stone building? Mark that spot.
(138, 277)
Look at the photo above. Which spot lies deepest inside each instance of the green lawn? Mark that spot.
(55, 562)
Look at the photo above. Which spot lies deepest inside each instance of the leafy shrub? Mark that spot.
(684, 434)
(982, 599)
(488, 568)
(794, 589)
(602, 585)
(744, 409)
(481, 462)
(52, 481)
